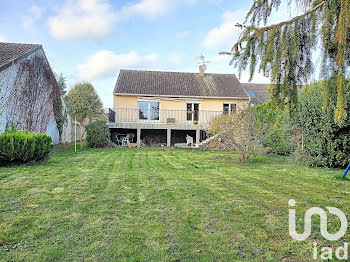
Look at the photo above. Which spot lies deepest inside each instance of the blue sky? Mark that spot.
(92, 39)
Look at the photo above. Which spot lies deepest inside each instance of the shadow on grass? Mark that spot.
(64, 147)
(341, 178)
(18, 163)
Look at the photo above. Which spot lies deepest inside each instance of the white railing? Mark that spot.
(128, 115)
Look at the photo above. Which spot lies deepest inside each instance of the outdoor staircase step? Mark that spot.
(206, 141)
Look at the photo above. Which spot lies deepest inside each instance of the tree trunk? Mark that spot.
(60, 136)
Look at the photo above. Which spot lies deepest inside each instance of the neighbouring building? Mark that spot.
(258, 92)
(29, 93)
(167, 106)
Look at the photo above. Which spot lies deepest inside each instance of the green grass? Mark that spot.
(161, 205)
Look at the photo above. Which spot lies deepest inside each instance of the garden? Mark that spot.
(227, 201)
(161, 205)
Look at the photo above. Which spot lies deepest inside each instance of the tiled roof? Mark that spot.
(260, 91)
(10, 52)
(178, 84)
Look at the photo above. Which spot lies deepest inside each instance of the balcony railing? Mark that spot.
(128, 115)
(111, 115)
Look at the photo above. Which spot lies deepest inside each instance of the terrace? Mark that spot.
(188, 119)
(191, 119)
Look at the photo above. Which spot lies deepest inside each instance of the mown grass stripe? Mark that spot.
(159, 205)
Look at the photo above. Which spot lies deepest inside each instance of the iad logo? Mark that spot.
(327, 252)
(307, 220)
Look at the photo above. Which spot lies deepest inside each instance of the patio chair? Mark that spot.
(115, 138)
(189, 140)
(126, 140)
(117, 141)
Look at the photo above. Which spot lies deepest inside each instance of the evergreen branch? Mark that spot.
(267, 28)
(291, 21)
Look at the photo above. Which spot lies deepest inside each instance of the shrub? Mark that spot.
(311, 134)
(98, 135)
(325, 142)
(240, 132)
(278, 140)
(24, 146)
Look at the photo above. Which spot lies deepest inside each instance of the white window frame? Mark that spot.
(199, 110)
(230, 106)
(149, 101)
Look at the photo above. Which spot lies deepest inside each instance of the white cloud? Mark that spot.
(224, 35)
(181, 35)
(106, 63)
(33, 14)
(3, 38)
(175, 60)
(78, 19)
(151, 9)
(220, 64)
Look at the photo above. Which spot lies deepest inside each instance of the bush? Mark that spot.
(278, 140)
(24, 146)
(323, 141)
(98, 135)
(311, 134)
(240, 132)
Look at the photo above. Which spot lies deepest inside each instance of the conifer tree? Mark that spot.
(284, 51)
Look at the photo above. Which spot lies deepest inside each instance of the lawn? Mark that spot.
(161, 205)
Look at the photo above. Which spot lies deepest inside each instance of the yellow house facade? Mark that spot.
(176, 107)
(176, 104)
(210, 104)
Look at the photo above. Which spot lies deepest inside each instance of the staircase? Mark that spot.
(206, 141)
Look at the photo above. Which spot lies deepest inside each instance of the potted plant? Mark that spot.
(195, 122)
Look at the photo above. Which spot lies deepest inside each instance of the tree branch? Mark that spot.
(284, 22)
(266, 28)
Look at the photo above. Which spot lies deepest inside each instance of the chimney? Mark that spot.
(202, 68)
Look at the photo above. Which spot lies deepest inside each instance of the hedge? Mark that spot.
(98, 135)
(279, 139)
(326, 143)
(309, 131)
(24, 146)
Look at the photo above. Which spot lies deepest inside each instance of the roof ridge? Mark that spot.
(163, 71)
(15, 43)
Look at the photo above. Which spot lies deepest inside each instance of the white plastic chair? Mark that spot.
(126, 140)
(189, 140)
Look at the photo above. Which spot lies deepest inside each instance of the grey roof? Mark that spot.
(261, 93)
(12, 52)
(179, 84)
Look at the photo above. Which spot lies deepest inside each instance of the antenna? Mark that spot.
(202, 60)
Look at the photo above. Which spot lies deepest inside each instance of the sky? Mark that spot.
(91, 40)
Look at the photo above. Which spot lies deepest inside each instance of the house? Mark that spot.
(167, 106)
(258, 92)
(30, 97)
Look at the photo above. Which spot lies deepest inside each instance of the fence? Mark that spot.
(129, 115)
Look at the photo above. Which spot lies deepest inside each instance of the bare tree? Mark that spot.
(239, 132)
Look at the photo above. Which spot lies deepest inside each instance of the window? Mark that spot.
(148, 110)
(192, 112)
(229, 108)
